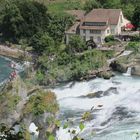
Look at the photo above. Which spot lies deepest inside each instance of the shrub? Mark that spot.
(76, 44)
(134, 46)
(136, 38)
(109, 38)
(41, 102)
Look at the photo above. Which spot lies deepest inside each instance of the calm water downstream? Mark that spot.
(117, 119)
(5, 70)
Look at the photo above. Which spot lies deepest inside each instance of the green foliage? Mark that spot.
(86, 116)
(11, 22)
(41, 102)
(127, 6)
(76, 44)
(67, 66)
(65, 5)
(109, 54)
(136, 16)
(109, 38)
(58, 24)
(136, 38)
(7, 133)
(81, 126)
(65, 126)
(35, 17)
(39, 76)
(42, 42)
(22, 19)
(112, 4)
(128, 10)
(51, 137)
(10, 101)
(91, 4)
(134, 46)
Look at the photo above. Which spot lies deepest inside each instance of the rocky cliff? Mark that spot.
(22, 103)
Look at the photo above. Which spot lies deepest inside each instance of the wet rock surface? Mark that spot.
(99, 94)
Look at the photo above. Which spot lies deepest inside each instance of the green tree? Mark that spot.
(41, 42)
(59, 23)
(128, 10)
(22, 19)
(35, 15)
(91, 4)
(11, 22)
(136, 16)
(76, 44)
(112, 4)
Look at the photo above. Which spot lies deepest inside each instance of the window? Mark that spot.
(95, 31)
(108, 31)
(94, 23)
(84, 31)
(84, 38)
(91, 31)
(112, 31)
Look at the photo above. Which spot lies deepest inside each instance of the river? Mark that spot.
(5, 70)
(117, 119)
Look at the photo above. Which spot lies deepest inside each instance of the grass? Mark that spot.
(61, 5)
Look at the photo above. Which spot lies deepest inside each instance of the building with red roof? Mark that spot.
(97, 24)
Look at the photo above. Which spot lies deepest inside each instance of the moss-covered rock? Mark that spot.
(106, 74)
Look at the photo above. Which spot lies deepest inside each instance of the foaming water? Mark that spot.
(119, 115)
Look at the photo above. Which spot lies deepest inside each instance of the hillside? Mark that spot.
(60, 5)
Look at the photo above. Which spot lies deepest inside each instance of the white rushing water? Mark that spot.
(117, 119)
(129, 71)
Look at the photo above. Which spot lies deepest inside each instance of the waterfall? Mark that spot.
(129, 71)
(118, 119)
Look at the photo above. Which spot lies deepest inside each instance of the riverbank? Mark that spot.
(13, 52)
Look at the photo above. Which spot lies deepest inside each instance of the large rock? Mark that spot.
(106, 74)
(136, 70)
(24, 104)
(99, 94)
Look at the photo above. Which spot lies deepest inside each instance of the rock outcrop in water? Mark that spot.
(100, 94)
(124, 62)
(24, 103)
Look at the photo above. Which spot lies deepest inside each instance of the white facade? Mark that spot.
(98, 34)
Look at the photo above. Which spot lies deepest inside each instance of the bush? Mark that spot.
(135, 38)
(109, 38)
(76, 44)
(42, 102)
(42, 42)
(134, 46)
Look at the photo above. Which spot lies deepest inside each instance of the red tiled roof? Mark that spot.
(79, 14)
(100, 15)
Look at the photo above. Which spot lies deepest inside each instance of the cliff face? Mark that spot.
(23, 104)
